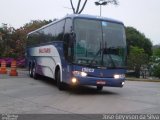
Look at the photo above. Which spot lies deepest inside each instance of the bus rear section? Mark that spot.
(43, 60)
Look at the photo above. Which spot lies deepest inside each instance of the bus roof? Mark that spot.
(84, 16)
(93, 17)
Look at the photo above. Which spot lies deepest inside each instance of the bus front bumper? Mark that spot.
(95, 81)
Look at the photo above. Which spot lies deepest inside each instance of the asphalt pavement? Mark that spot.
(24, 95)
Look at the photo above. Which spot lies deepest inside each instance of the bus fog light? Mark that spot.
(122, 83)
(74, 80)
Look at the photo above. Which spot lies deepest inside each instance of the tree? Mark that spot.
(139, 49)
(12, 41)
(156, 52)
(79, 10)
(136, 38)
(6, 40)
(20, 35)
(155, 62)
(156, 70)
(136, 59)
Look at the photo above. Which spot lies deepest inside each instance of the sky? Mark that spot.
(141, 14)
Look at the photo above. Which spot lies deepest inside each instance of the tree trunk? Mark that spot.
(77, 11)
(137, 72)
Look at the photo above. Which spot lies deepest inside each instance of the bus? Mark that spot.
(79, 50)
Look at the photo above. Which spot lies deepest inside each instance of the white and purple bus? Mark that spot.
(79, 50)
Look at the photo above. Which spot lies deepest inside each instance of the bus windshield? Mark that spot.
(99, 43)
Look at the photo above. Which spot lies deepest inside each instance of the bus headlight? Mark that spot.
(119, 76)
(79, 73)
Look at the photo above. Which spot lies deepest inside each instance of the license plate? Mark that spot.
(100, 82)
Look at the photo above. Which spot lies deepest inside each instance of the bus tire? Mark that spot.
(30, 71)
(35, 75)
(99, 88)
(60, 84)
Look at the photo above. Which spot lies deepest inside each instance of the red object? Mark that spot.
(13, 71)
(3, 69)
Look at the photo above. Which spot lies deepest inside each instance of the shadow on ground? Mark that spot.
(79, 90)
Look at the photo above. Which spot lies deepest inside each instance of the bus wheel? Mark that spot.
(30, 72)
(35, 75)
(60, 85)
(99, 88)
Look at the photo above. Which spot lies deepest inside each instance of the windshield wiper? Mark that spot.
(95, 57)
(103, 52)
(112, 61)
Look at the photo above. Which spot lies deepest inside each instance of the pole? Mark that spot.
(100, 3)
(100, 9)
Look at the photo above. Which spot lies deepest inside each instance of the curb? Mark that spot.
(141, 80)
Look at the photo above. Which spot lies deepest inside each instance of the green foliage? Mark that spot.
(156, 71)
(139, 49)
(156, 52)
(155, 62)
(6, 40)
(136, 58)
(156, 67)
(135, 38)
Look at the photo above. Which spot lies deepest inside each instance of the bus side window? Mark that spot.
(60, 30)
